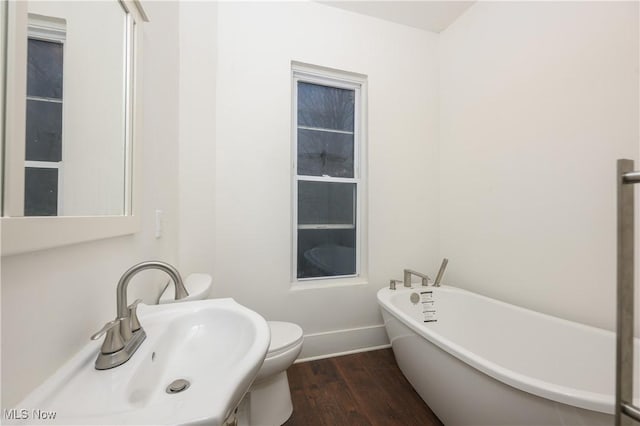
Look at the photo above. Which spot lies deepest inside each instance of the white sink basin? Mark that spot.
(217, 345)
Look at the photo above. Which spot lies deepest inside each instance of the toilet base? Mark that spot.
(270, 401)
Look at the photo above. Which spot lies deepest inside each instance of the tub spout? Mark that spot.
(409, 272)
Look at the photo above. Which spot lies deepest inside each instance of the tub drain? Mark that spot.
(178, 386)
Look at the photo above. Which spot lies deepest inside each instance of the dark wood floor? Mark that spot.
(366, 388)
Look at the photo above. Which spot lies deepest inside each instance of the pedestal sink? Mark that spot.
(215, 346)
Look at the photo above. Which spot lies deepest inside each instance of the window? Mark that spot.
(327, 174)
(43, 156)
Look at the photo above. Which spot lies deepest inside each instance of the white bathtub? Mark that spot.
(485, 362)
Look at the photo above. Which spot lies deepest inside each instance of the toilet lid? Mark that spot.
(283, 336)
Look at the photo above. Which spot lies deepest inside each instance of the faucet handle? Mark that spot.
(133, 315)
(392, 284)
(113, 342)
(105, 328)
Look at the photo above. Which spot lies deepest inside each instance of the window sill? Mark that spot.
(328, 283)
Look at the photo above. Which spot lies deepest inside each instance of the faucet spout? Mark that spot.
(409, 272)
(123, 284)
(125, 334)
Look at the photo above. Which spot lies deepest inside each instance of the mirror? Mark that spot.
(70, 158)
(69, 128)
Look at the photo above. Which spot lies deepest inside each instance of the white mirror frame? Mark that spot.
(25, 234)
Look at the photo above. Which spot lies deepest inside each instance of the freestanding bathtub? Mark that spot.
(479, 361)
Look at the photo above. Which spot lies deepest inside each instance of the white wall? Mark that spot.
(538, 100)
(251, 164)
(53, 300)
(198, 70)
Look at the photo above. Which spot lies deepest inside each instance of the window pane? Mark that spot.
(44, 69)
(325, 153)
(325, 107)
(40, 191)
(326, 252)
(44, 131)
(326, 203)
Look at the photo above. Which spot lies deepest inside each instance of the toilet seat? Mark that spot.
(284, 336)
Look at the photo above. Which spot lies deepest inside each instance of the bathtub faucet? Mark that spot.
(392, 284)
(409, 272)
(443, 266)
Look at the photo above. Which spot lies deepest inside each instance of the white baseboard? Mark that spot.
(342, 342)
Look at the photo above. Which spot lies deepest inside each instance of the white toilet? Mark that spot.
(269, 398)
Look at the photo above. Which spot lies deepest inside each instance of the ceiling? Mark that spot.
(426, 15)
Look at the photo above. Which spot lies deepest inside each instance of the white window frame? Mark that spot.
(357, 83)
(53, 31)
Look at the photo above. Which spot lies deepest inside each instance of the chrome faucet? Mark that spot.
(121, 292)
(409, 272)
(125, 334)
